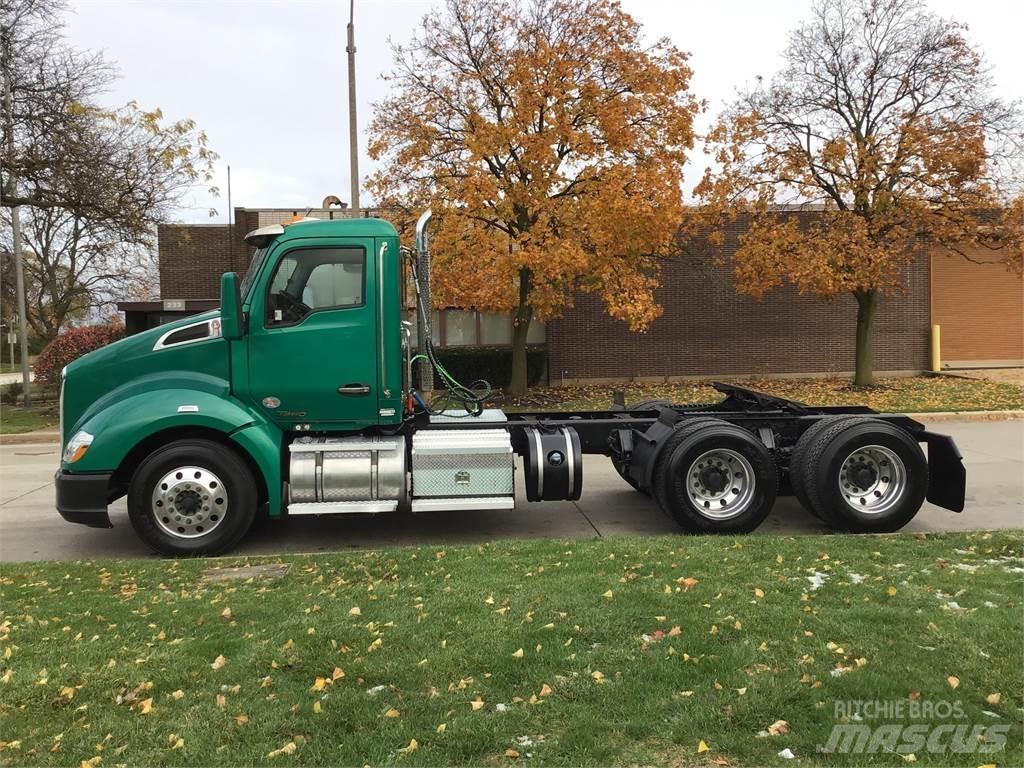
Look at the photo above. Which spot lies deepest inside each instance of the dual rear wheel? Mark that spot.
(856, 474)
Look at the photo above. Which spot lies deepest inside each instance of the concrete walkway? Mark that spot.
(30, 528)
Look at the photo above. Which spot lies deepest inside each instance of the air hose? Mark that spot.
(471, 398)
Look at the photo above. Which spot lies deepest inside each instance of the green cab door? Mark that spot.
(313, 335)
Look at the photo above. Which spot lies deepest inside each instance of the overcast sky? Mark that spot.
(266, 79)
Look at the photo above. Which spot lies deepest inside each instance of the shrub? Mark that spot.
(68, 347)
(467, 364)
(11, 394)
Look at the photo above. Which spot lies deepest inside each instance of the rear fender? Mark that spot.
(947, 477)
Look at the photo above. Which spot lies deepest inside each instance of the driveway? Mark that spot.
(30, 528)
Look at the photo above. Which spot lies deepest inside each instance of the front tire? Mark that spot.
(192, 497)
(715, 477)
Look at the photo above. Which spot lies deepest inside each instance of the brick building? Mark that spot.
(707, 328)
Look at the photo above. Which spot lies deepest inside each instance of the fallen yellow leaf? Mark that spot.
(355, 611)
(413, 746)
(758, 592)
(178, 695)
(518, 654)
(317, 708)
(607, 595)
(511, 753)
(441, 728)
(993, 698)
(392, 713)
(954, 681)
(145, 706)
(891, 591)
(702, 747)
(287, 749)
(219, 662)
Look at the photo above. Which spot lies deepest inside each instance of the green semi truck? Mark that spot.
(297, 397)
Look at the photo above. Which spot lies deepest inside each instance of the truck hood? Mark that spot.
(116, 368)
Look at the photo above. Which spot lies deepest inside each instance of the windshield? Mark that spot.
(250, 274)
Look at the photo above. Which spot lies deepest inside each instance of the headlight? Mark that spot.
(77, 446)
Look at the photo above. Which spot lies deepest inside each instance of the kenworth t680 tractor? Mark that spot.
(296, 397)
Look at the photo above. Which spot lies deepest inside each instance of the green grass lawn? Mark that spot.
(15, 419)
(614, 651)
(895, 395)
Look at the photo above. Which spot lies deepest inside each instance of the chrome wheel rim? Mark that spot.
(189, 502)
(720, 483)
(872, 479)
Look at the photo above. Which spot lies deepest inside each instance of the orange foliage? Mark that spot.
(549, 140)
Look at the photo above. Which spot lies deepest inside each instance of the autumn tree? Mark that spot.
(884, 123)
(549, 138)
(76, 268)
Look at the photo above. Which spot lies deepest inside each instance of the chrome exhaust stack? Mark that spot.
(423, 298)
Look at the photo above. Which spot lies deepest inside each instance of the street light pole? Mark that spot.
(353, 146)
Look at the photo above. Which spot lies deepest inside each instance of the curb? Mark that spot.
(968, 416)
(53, 437)
(31, 438)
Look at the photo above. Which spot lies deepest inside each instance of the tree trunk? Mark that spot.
(867, 303)
(520, 328)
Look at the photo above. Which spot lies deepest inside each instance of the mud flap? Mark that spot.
(947, 477)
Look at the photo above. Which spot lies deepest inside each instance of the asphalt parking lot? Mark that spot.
(31, 529)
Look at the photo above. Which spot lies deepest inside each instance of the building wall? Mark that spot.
(980, 308)
(194, 256)
(708, 330)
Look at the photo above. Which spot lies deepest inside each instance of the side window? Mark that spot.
(315, 278)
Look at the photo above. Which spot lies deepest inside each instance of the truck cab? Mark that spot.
(308, 341)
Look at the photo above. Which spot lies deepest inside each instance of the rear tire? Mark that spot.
(865, 476)
(799, 458)
(192, 497)
(715, 477)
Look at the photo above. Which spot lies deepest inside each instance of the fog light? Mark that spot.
(77, 446)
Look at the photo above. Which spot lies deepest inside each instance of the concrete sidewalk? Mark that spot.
(30, 528)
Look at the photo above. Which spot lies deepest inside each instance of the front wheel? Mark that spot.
(192, 497)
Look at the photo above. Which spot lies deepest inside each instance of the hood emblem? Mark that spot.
(271, 402)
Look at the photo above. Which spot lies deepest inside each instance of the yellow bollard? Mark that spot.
(936, 349)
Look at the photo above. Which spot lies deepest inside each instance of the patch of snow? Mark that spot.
(787, 753)
(990, 604)
(501, 707)
(856, 578)
(817, 580)
(376, 689)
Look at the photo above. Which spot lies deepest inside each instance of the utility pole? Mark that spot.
(11, 190)
(353, 131)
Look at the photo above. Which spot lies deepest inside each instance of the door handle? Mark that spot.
(354, 389)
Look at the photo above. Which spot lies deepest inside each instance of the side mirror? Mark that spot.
(231, 321)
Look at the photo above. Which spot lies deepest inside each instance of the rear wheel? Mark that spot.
(715, 477)
(799, 457)
(865, 475)
(192, 497)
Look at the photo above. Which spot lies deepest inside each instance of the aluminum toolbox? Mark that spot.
(462, 463)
